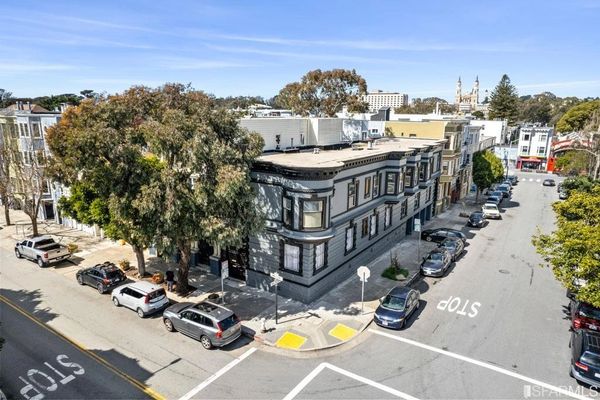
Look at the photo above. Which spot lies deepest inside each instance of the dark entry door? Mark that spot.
(238, 262)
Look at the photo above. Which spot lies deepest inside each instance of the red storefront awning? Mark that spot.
(530, 160)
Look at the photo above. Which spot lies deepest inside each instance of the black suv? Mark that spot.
(438, 235)
(101, 276)
(585, 357)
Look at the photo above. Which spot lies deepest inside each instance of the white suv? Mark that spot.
(490, 210)
(143, 297)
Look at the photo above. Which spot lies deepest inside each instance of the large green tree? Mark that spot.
(582, 116)
(574, 162)
(98, 150)
(426, 106)
(504, 100)
(573, 249)
(5, 98)
(487, 169)
(204, 190)
(324, 93)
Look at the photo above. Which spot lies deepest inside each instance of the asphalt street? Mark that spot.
(493, 328)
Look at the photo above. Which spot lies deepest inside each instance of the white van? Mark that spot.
(490, 210)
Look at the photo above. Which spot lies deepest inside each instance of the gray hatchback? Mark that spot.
(211, 324)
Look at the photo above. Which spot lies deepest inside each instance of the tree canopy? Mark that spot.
(573, 249)
(504, 101)
(487, 169)
(426, 106)
(582, 116)
(324, 93)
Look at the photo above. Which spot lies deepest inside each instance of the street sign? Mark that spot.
(417, 225)
(225, 269)
(363, 273)
(274, 283)
(276, 276)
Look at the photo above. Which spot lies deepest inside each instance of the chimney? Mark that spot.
(18, 104)
(370, 145)
(28, 104)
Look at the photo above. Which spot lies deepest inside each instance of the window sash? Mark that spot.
(373, 230)
(291, 257)
(320, 256)
(288, 211)
(312, 214)
(367, 187)
(350, 238)
(376, 178)
(390, 183)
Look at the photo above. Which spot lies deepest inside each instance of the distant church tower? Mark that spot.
(458, 95)
(475, 94)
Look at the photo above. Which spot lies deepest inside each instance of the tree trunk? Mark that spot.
(34, 226)
(6, 210)
(477, 195)
(141, 262)
(185, 251)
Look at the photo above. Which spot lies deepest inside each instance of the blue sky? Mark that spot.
(256, 47)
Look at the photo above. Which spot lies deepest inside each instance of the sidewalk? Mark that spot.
(335, 318)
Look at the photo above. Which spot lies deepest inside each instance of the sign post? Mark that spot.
(363, 273)
(418, 230)
(224, 275)
(277, 279)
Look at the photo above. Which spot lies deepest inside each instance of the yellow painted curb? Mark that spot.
(290, 340)
(342, 332)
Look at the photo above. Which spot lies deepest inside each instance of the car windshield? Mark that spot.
(393, 302)
(228, 322)
(449, 244)
(591, 358)
(589, 311)
(156, 294)
(435, 256)
(476, 215)
(489, 207)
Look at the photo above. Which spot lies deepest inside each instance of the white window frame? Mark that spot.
(291, 257)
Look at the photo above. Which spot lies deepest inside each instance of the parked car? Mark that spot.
(498, 194)
(563, 195)
(101, 276)
(507, 182)
(396, 307)
(584, 315)
(505, 189)
(143, 297)
(513, 179)
(549, 182)
(211, 324)
(559, 187)
(490, 210)
(454, 246)
(42, 249)
(476, 219)
(585, 357)
(436, 263)
(493, 200)
(439, 234)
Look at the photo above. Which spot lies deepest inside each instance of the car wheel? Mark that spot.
(403, 324)
(205, 342)
(116, 302)
(100, 288)
(428, 238)
(169, 325)
(140, 313)
(80, 279)
(18, 253)
(41, 263)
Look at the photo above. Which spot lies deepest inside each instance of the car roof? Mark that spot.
(591, 341)
(39, 238)
(490, 204)
(143, 286)
(400, 291)
(214, 310)
(476, 213)
(106, 266)
(451, 239)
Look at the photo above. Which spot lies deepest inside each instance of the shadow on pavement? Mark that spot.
(30, 302)
(416, 314)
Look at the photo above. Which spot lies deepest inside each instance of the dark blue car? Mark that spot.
(396, 307)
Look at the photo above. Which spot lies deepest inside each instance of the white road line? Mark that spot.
(304, 382)
(214, 377)
(530, 179)
(538, 180)
(482, 364)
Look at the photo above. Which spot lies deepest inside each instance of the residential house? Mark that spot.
(330, 211)
(535, 143)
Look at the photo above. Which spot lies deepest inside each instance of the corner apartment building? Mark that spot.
(330, 211)
(23, 126)
(452, 179)
(534, 147)
(380, 99)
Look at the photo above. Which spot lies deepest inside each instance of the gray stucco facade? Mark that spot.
(330, 212)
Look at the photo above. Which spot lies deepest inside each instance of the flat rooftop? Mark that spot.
(337, 158)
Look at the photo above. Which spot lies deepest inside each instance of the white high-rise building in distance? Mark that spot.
(379, 99)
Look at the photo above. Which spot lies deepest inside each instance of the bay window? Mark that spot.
(312, 214)
(288, 212)
(292, 257)
(391, 182)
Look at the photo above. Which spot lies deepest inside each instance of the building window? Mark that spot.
(404, 209)
(367, 187)
(401, 181)
(524, 149)
(417, 201)
(364, 227)
(543, 138)
(320, 256)
(374, 224)
(37, 133)
(292, 258)
(288, 211)
(350, 238)
(376, 179)
(391, 179)
(526, 137)
(387, 217)
(408, 177)
(352, 194)
(312, 214)
(428, 195)
(541, 150)
(423, 173)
